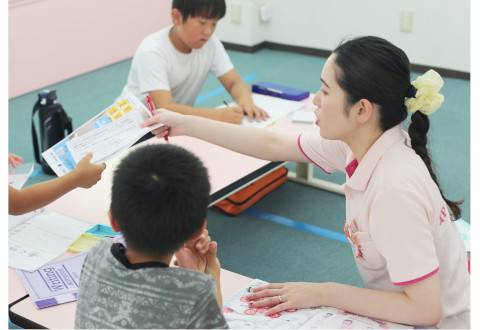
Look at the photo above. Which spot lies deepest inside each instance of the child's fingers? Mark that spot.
(212, 249)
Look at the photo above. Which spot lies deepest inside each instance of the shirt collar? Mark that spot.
(118, 251)
(359, 173)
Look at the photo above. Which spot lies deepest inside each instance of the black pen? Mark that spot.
(226, 104)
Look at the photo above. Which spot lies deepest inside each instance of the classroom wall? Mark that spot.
(440, 34)
(53, 40)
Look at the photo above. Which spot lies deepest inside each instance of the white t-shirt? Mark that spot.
(158, 65)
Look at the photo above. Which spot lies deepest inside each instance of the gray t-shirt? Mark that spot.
(117, 294)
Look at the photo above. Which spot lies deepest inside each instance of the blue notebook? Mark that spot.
(281, 91)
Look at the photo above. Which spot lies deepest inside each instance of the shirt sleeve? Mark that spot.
(403, 235)
(328, 155)
(207, 314)
(151, 72)
(221, 62)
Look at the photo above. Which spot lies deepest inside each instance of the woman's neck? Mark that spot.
(362, 141)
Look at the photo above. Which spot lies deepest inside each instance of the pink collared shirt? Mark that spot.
(397, 222)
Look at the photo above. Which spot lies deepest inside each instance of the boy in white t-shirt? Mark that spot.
(172, 64)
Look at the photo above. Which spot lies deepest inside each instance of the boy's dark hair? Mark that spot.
(160, 196)
(375, 69)
(203, 8)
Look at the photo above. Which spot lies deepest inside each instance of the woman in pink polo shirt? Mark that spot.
(399, 223)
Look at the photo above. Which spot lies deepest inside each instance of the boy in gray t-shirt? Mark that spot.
(160, 195)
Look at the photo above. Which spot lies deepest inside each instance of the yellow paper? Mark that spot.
(83, 243)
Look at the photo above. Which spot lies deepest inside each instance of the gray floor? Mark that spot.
(247, 244)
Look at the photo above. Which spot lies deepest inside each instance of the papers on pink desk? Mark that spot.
(240, 316)
(54, 284)
(39, 237)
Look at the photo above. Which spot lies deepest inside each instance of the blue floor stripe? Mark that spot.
(297, 225)
(221, 91)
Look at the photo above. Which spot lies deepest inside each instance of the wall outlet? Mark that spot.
(236, 13)
(266, 12)
(406, 21)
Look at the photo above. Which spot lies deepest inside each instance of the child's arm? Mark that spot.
(190, 256)
(25, 200)
(241, 92)
(256, 142)
(419, 304)
(213, 268)
(163, 99)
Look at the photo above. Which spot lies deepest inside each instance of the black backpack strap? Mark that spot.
(36, 148)
(66, 120)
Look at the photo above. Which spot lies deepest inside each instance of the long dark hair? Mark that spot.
(374, 69)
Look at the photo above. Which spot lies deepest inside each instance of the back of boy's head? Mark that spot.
(160, 196)
(204, 8)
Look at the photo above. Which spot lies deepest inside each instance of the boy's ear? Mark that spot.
(113, 221)
(177, 17)
(200, 231)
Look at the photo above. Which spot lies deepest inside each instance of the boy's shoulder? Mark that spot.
(173, 278)
(155, 41)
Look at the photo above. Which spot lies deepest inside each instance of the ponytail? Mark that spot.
(418, 134)
(374, 69)
(423, 99)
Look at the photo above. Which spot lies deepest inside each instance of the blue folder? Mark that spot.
(102, 231)
(281, 91)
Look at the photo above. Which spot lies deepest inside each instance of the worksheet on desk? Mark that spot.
(240, 316)
(39, 237)
(55, 283)
(276, 108)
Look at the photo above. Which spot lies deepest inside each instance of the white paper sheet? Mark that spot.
(240, 316)
(115, 128)
(304, 117)
(37, 238)
(55, 283)
(18, 176)
(276, 107)
(106, 140)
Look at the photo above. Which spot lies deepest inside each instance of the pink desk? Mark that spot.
(229, 172)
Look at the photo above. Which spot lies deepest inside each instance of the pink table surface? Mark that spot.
(91, 205)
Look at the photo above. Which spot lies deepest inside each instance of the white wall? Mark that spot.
(440, 36)
(53, 40)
